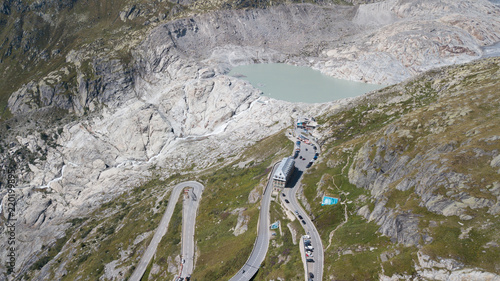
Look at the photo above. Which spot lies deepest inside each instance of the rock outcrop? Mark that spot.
(383, 42)
(173, 107)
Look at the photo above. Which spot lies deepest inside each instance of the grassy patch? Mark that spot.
(470, 249)
(283, 258)
(356, 249)
(358, 231)
(357, 266)
(114, 228)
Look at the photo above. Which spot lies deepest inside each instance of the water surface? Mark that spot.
(299, 83)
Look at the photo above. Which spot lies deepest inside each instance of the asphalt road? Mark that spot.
(162, 229)
(290, 192)
(261, 245)
(188, 226)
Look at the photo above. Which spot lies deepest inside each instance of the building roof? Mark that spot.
(284, 169)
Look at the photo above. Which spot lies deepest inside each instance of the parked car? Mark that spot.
(300, 217)
(311, 275)
(283, 194)
(303, 222)
(286, 201)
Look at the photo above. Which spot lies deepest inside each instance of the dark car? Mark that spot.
(303, 222)
(311, 275)
(300, 217)
(286, 201)
(283, 194)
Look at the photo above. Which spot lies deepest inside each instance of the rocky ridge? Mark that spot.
(425, 159)
(175, 106)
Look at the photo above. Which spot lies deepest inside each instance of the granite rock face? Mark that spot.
(174, 106)
(384, 42)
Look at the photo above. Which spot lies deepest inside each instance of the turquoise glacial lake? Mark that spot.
(299, 83)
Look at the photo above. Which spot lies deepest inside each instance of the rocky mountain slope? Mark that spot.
(148, 97)
(419, 160)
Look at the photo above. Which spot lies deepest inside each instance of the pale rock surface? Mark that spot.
(178, 108)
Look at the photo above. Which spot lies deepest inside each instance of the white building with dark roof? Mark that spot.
(283, 173)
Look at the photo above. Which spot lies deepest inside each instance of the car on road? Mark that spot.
(286, 201)
(309, 260)
(283, 194)
(309, 165)
(300, 157)
(296, 212)
(311, 275)
(303, 222)
(300, 217)
(306, 237)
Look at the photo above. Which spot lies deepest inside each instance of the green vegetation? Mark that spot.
(227, 189)
(358, 231)
(355, 251)
(113, 229)
(457, 124)
(434, 113)
(402, 263)
(469, 249)
(169, 246)
(283, 257)
(115, 232)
